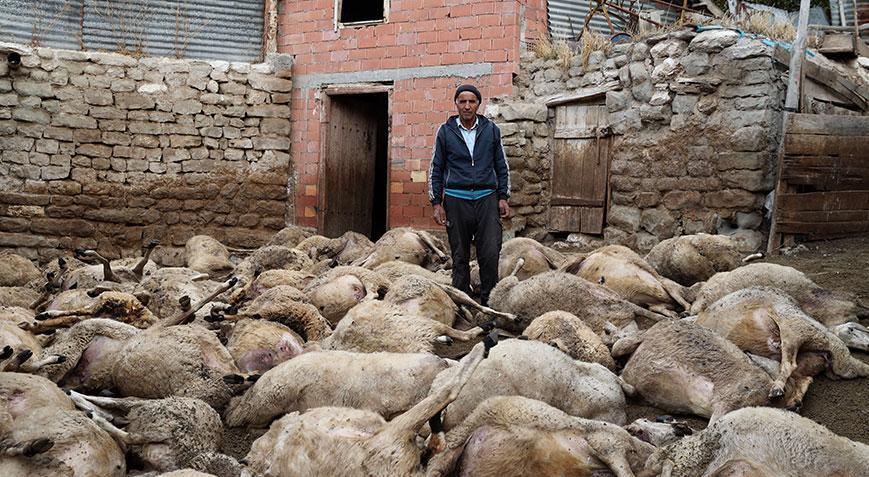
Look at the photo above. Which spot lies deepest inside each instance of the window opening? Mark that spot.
(355, 11)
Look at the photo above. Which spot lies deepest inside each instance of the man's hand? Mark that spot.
(440, 215)
(503, 208)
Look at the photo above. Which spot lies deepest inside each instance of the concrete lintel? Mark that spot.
(395, 74)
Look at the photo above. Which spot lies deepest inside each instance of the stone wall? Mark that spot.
(696, 118)
(107, 151)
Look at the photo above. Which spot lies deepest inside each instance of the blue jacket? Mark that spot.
(452, 166)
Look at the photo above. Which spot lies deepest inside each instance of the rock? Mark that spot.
(660, 97)
(746, 48)
(684, 103)
(668, 48)
(667, 70)
(680, 199)
(642, 92)
(659, 222)
(524, 111)
(639, 52)
(626, 121)
(748, 241)
(269, 83)
(617, 100)
(152, 88)
(270, 111)
(646, 242)
(626, 218)
(729, 198)
(77, 121)
(741, 160)
(638, 72)
(33, 88)
(749, 138)
(134, 101)
(746, 220)
(695, 63)
(752, 180)
(712, 41)
(31, 115)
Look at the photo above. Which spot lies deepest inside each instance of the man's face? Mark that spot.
(467, 106)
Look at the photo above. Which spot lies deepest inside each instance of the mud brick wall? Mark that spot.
(106, 151)
(696, 119)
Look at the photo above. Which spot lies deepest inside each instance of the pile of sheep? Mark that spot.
(358, 358)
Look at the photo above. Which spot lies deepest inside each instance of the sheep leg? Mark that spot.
(790, 345)
(675, 291)
(27, 448)
(32, 366)
(108, 275)
(139, 269)
(463, 336)
(461, 298)
(84, 403)
(52, 324)
(663, 310)
(120, 404)
(520, 262)
(20, 358)
(427, 240)
(414, 418)
(189, 314)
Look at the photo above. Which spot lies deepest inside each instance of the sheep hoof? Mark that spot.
(489, 342)
(214, 317)
(23, 356)
(153, 243)
(488, 326)
(184, 301)
(93, 293)
(523, 338)
(253, 378)
(106, 393)
(42, 316)
(231, 310)
(776, 393)
(7, 352)
(59, 359)
(233, 281)
(233, 379)
(37, 446)
(443, 339)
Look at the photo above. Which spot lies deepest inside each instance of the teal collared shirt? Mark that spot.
(470, 137)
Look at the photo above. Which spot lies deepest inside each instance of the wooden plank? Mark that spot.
(823, 228)
(576, 202)
(835, 81)
(856, 147)
(840, 200)
(826, 124)
(825, 216)
(592, 220)
(837, 43)
(575, 133)
(565, 218)
(583, 94)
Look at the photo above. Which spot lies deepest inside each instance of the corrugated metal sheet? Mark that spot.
(566, 17)
(862, 7)
(208, 29)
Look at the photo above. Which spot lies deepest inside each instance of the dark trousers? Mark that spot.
(478, 220)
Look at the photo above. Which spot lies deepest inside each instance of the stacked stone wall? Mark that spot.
(106, 151)
(696, 119)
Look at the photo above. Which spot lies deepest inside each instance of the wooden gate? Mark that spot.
(823, 187)
(350, 153)
(580, 168)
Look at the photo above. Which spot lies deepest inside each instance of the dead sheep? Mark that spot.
(376, 325)
(43, 435)
(119, 271)
(351, 442)
(288, 306)
(572, 336)
(752, 441)
(694, 258)
(539, 371)
(290, 236)
(407, 245)
(558, 291)
(682, 367)
(514, 435)
(205, 254)
(343, 250)
(259, 345)
(623, 271)
(340, 289)
(537, 258)
(21, 351)
(17, 271)
(385, 383)
(768, 322)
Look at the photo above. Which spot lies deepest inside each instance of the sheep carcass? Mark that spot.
(520, 436)
(22, 351)
(767, 322)
(623, 271)
(537, 258)
(572, 336)
(342, 250)
(17, 271)
(205, 254)
(689, 259)
(539, 371)
(42, 435)
(685, 368)
(342, 288)
(752, 441)
(386, 383)
(119, 272)
(408, 245)
(350, 442)
(835, 310)
(552, 291)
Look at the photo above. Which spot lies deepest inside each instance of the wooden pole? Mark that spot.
(792, 101)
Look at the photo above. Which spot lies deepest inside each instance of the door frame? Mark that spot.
(327, 91)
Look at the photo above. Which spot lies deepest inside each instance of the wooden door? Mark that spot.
(580, 168)
(351, 152)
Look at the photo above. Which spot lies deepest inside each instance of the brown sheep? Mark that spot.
(552, 291)
(623, 271)
(337, 379)
(259, 345)
(21, 351)
(689, 259)
(343, 250)
(538, 371)
(761, 442)
(396, 269)
(342, 288)
(17, 271)
(290, 236)
(767, 322)
(513, 435)
(572, 336)
(537, 258)
(205, 254)
(351, 442)
(288, 306)
(682, 367)
(407, 245)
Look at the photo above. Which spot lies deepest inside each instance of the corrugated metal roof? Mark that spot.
(566, 17)
(208, 29)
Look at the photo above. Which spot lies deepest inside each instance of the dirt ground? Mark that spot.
(840, 405)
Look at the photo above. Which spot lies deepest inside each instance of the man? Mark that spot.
(469, 184)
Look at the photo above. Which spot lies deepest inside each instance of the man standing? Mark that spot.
(468, 184)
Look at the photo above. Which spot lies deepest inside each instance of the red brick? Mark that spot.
(428, 37)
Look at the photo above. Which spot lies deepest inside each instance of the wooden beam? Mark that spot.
(824, 201)
(826, 124)
(583, 94)
(792, 98)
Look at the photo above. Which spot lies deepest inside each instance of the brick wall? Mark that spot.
(106, 151)
(420, 49)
